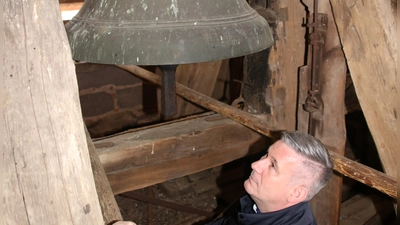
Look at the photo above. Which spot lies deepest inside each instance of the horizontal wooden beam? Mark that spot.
(354, 170)
(146, 157)
(247, 119)
(71, 6)
(364, 174)
(69, 10)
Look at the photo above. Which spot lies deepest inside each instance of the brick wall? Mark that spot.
(113, 100)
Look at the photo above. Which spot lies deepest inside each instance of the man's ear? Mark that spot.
(298, 194)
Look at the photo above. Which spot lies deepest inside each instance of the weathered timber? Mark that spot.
(364, 174)
(367, 31)
(200, 77)
(253, 123)
(48, 177)
(281, 62)
(327, 79)
(146, 157)
(108, 204)
(247, 119)
(364, 209)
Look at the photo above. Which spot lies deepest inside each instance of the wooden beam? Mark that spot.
(69, 10)
(364, 174)
(200, 77)
(285, 58)
(367, 30)
(363, 209)
(130, 151)
(48, 178)
(150, 156)
(326, 67)
(108, 204)
(73, 6)
(248, 120)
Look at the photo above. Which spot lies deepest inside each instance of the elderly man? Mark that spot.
(282, 182)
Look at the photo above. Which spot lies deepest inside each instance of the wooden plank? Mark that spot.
(362, 208)
(366, 175)
(328, 122)
(146, 157)
(48, 178)
(253, 122)
(108, 204)
(285, 58)
(367, 31)
(200, 77)
(73, 6)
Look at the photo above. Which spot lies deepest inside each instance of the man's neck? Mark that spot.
(265, 208)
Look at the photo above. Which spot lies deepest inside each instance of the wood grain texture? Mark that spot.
(286, 56)
(253, 123)
(200, 77)
(258, 124)
(366, 175)
(150, 156)
(48, 177)
(367, 31)
(108, 204)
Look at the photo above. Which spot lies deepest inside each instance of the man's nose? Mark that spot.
(259, 165)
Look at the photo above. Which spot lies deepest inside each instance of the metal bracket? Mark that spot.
(317, 39)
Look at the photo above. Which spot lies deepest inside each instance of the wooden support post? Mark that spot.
(108, 204)
(260, 126)
(200, 77)
(326, 67)
(48, 177)
(277, 67)
(367, 31)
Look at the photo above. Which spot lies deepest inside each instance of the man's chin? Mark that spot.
(247, 186)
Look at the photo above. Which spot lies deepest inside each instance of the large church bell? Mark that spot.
(166, 33)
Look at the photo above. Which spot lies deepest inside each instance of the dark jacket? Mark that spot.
(299, 214)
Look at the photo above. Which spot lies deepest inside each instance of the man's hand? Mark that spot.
(124, 223)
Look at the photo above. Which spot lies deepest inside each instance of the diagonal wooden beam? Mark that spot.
(263, 127)
(367, 31)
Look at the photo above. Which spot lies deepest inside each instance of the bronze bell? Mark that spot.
(160, 32)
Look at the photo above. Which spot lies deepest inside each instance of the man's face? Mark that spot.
(270, 181)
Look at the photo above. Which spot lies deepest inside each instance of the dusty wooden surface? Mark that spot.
(128, 151)
(109, 207)
(328, 122)
(367, 30)
(365, 175)
(365, 209)
(48, 177)
(150, 156)
(285, 58)
(248, 120)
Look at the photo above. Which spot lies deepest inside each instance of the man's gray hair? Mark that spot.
(319, 165)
